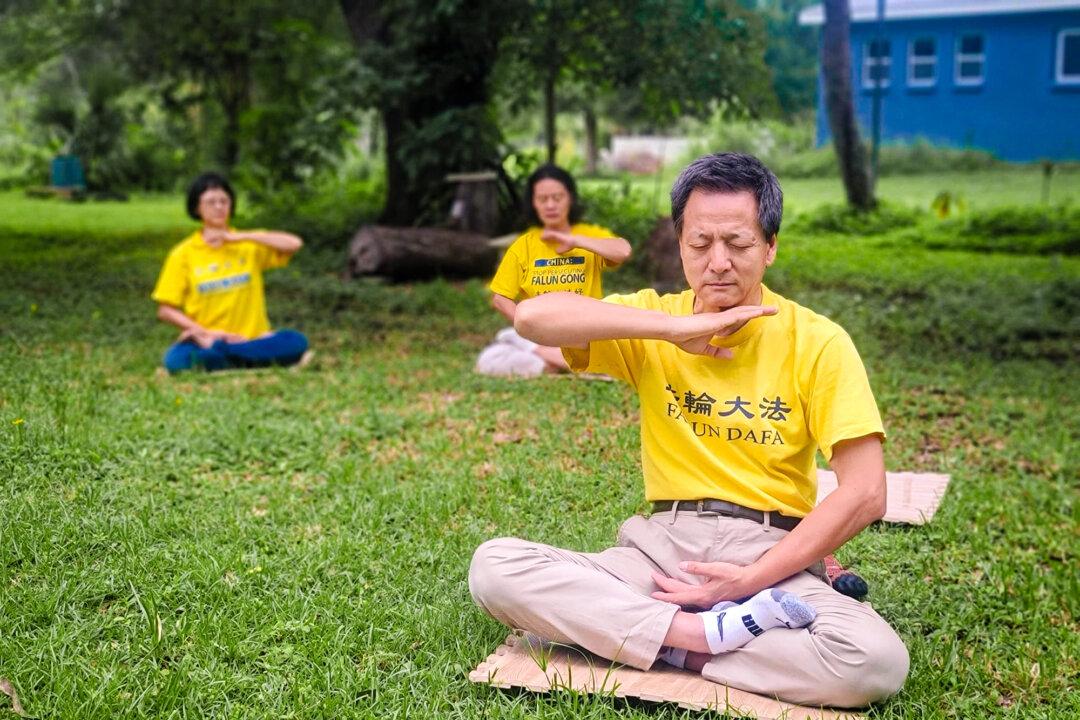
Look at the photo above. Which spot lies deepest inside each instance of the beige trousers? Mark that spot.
(848, 657)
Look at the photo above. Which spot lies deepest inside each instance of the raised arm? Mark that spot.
(614, 249)
(275, 239)
(570, 320)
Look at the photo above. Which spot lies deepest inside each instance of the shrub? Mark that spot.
(1022, 230)
(626, 210)
(844, 220)
(325, 214)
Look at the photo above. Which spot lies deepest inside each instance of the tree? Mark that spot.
(791, 54)
(836, 71)
(678, 56)
(427, 68)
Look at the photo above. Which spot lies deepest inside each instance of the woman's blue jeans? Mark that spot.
(284, 347)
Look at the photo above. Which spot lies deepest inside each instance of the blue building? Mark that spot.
(997, 75)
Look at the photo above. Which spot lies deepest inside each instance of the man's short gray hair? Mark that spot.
(731, 173)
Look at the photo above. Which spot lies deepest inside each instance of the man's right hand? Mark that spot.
(694, 333)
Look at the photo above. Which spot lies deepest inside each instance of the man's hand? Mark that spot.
(563, 242)
(725, 582)
(694, 333)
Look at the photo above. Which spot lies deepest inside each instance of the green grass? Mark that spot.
(278, 544)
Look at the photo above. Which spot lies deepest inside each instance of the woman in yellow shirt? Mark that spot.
(211, 288)
(556, 254)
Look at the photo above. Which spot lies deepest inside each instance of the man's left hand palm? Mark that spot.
(725, 581)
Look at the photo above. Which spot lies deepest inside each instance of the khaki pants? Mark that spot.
(847, 657)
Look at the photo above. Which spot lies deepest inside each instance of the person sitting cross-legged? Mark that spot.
(558, 253)
(211, 287)
(739, 388)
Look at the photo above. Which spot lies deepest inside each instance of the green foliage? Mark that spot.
(326, 213)
(627, 211)
(845, 220)
(1022, 229)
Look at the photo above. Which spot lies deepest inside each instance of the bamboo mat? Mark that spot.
(913, 497)
(515, 664)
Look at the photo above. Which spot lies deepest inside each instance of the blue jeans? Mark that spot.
(284, 347)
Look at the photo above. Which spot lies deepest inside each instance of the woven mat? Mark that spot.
(515, 665)
(913, 497)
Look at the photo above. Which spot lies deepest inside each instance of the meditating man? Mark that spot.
(739, 388)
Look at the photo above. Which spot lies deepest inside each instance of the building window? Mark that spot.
(922, 62)
(877, 62)
(1068, 57)
(970, 60)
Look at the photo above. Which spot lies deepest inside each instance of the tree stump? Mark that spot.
(662, 261)
(418, 253)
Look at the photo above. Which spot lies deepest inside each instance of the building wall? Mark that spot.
(1019, 113)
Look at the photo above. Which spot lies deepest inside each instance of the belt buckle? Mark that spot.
(701, 511)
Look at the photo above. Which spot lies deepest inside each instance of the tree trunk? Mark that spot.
(836, 73)
(663, 263)
(591, 150)
(441, 126)
(549, 115)
(420, 253)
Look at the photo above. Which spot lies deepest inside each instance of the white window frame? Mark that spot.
(960, 57)
(1059, 63)
(869, 61)
(914, 60)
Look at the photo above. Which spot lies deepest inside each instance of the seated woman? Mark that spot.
(211, 287)
(557, 253)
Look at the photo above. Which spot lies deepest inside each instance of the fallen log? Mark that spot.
(417, 253)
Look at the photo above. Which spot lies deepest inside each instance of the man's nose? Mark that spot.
(719, 258)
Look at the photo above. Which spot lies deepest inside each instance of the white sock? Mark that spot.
(673, 656)
(732, 627)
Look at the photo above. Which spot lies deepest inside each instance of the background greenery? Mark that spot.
(295, 544)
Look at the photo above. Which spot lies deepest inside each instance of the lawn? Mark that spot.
(278, 544)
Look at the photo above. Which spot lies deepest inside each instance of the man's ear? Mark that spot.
(770, 252)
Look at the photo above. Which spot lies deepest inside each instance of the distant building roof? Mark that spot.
(866, 10)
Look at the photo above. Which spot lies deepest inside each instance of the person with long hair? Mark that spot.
(558, 253)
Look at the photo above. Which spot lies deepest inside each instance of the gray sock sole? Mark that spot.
(794, 607)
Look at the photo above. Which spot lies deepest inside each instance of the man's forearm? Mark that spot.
(840, 517)
(858, 500)
(568, 320)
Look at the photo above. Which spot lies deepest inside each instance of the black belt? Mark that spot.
(722, 507)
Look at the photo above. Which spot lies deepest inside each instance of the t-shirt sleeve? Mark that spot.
(172, 283)
(842, 405)
(507, 280)
(622, 359)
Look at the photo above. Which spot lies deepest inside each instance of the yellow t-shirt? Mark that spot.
(219, 288)
(745, 430)
(531, 266)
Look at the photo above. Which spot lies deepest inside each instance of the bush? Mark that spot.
(325, 214)
(626, 210)
(844, 220)
(1021, 230)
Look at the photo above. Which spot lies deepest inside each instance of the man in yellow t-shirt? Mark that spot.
(211, 288)
(739, 388)
(557, 254)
